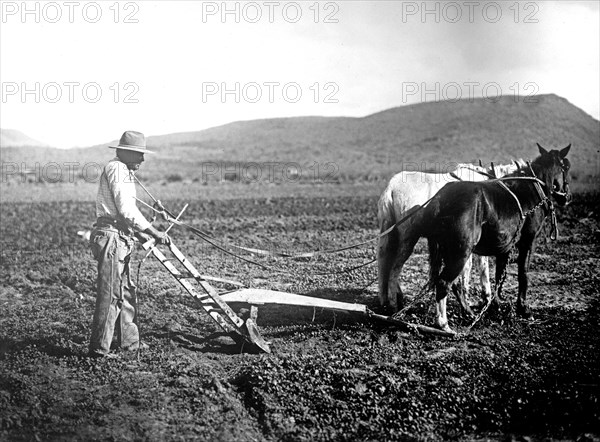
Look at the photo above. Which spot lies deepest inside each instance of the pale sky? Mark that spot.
(191, 65)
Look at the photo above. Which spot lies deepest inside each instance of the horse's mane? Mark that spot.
(508, 169)
(527, 168)
(458, 166)
(502, 169)
(470, 166)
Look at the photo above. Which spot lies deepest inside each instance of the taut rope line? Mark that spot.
(221, 246)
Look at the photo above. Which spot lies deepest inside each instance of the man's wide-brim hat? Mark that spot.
(131, 140)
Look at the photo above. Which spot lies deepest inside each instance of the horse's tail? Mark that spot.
(388, 244)
(385, 210)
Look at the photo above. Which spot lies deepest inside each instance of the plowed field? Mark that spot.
(331, 376)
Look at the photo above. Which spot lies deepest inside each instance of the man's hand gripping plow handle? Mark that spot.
(157, 235)
(148, 244)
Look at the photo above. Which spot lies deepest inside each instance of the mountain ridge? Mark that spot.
(380, 144)
(16, 138)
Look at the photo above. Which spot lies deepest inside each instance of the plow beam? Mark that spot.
(256, 297)
(261, 297)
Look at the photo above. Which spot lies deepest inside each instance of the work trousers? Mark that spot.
(116, 297)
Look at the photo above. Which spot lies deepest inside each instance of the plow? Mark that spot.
(242, 328)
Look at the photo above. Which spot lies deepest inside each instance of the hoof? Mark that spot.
(387, 311)
(445, 328)
(524, 312)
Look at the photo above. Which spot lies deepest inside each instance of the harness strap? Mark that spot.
(514, 197)
(544, 200)
(537, 186)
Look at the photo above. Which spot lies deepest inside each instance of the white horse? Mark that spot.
(406, 192)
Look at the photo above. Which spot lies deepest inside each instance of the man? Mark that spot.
(112, 242)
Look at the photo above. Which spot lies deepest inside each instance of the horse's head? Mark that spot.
(552, 167)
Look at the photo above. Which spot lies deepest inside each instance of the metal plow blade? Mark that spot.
(255, 337)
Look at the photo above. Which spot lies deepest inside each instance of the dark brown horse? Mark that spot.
(489, 218)
(406, 192)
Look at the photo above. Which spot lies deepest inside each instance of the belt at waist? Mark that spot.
(105, 221)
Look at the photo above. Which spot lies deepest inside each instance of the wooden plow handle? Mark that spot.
(210, 301)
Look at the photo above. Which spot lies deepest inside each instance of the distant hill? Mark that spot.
(15, 138)
(376, 146)
(438, 132)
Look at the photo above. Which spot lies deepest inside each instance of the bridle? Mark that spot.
(545, 199)
(565, 175)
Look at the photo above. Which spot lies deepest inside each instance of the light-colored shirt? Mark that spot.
(116, 196)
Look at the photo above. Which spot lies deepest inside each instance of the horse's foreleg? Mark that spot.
(523, 309)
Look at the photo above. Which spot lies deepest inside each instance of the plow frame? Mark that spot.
(245, 330)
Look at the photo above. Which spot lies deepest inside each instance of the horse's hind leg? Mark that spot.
(483, 267)
(501, 263)
(461, 294)
(484, 277)
(406, 244)
(386, 255)
(465, 276)
(462, 285)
